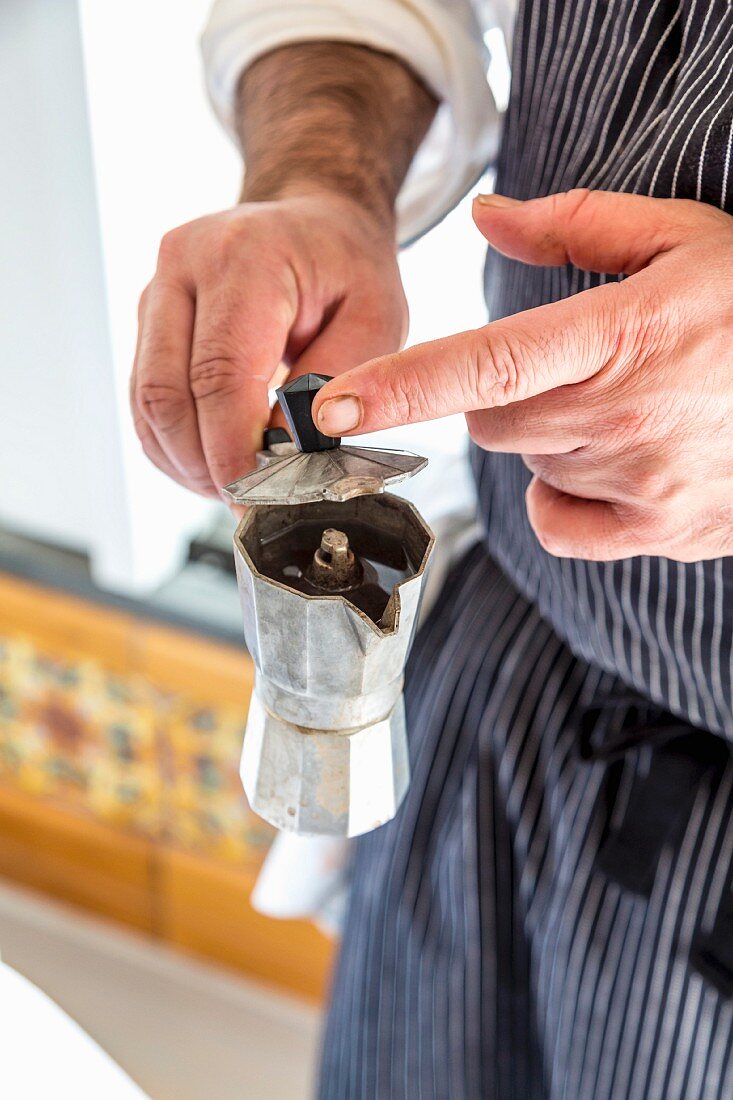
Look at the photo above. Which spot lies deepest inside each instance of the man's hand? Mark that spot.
(619, 399)
(303, 272)
(311, 281)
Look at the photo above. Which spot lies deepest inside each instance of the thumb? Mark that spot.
(509, 360)
(604, 231)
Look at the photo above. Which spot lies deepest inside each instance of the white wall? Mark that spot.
(56, 410)
(159, 160)
(105, 146)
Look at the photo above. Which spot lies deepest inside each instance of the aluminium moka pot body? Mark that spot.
(325, 750)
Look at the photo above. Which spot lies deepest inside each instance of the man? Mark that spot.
(550, 913)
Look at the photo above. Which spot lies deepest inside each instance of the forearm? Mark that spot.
(331, 115)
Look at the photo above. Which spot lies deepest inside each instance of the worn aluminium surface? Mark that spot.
(286, 476)
(325, 749)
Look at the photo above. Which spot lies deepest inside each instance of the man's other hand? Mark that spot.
(311, 281)
(619, 399)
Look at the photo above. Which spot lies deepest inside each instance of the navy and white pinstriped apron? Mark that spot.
(550, 915)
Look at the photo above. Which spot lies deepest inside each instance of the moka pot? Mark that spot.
(330, 570)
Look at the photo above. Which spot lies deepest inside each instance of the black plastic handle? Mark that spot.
(274, 435)
(296, 399)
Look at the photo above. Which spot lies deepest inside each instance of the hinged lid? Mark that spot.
(315, 466)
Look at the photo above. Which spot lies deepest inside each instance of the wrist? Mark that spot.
(333, 119)
(333, 187)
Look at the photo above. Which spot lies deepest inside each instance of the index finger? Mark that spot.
(503, 362)
(239, 340)
(161, 398)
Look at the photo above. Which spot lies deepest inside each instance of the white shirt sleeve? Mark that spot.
(442, 42)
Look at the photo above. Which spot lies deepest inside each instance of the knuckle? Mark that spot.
(407, 399)
(200, 483)
(649, 482)
(551, 470)
(632, 423)
(224, 246)
(214, 373)
(637, 434)
(171, 246)
(235, 230)
(541, 465)
(161, 404)
(664, 522)
(498, 367)
(211, 240)
(568, 205)
(242, 237)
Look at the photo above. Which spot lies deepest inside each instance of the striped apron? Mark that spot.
(550, 915)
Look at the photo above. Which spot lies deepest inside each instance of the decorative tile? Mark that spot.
(120, 749)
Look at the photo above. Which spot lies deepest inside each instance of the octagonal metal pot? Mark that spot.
(325, 749)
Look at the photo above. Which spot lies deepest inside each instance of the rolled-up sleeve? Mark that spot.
(440, 40)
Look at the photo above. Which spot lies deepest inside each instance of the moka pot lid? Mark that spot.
(312, 466)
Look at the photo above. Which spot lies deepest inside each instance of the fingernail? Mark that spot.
(339, 414)
(498, 200)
